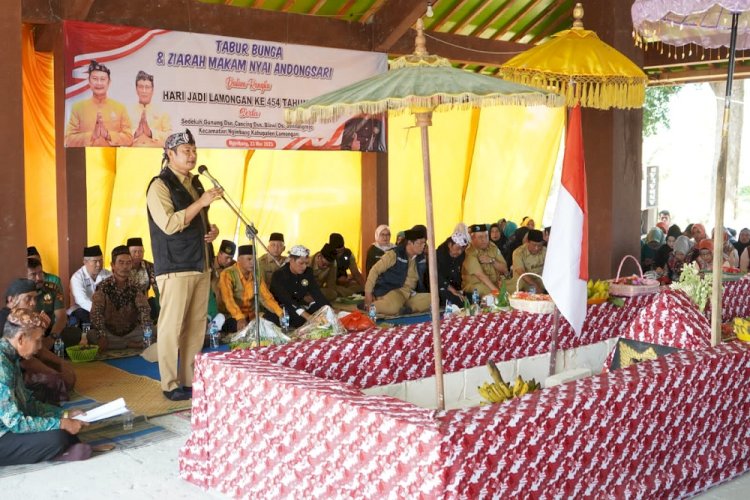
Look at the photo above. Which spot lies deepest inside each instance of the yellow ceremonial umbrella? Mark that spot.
(578, 65)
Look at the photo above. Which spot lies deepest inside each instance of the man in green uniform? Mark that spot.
(484, 267)
(529, 258)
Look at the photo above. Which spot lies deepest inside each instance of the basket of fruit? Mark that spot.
(631, 286)
(82, 353)
(537, 303)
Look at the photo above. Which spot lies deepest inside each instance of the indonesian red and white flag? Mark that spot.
(567, 262)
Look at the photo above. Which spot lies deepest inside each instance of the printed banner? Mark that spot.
(129, 86)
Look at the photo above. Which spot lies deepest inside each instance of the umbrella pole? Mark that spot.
(424, 120)
(721, 187)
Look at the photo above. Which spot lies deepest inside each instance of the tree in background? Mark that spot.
(656, 108)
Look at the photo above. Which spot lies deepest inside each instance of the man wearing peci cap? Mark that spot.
(100, 120)
(224, 260)
(52, 278)
(83, 283)
(181, 237)
(294, 287)
(237, 290)
(142, 274)
(346, 263)
(272, 261)
(484, 267)
(529, 258)
(323, 265)
(392, 280)
(119, 308)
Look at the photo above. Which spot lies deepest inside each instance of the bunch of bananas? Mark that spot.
(742, 329)
(499, 391)
(598, 289)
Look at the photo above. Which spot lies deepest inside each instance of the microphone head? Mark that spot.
(202, 169)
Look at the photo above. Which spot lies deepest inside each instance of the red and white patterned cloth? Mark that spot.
(289, 421)
(735, 300)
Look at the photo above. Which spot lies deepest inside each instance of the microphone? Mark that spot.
(203, 170)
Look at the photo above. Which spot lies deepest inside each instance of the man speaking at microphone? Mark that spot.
(181, 239)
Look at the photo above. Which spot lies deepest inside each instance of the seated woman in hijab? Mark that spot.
(654, 240)
(450, 258)
(731, 257)
(662, 255)
(382, 244)
(496, 236)
(677, 257)
(705, 254)
(516, 240)
(743, 241)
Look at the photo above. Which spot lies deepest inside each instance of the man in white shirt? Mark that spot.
(84, 281)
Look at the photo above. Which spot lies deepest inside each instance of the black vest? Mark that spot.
(394, 276)
(184, 250)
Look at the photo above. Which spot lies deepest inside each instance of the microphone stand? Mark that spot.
(252, 234)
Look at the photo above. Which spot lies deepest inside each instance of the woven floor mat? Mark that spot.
(143, 395)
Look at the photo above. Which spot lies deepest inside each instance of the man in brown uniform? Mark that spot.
(323, 265)
(272, 261)
(484, 267)
(529, 258)
(180, 239)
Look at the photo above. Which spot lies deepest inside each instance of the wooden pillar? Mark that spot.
(613, 142)
(374, 208)
(13, 201)
(70, 179)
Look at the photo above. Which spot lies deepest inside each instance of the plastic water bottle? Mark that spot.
(213, 335)
(284, 320)
(475, 297)
(532, 290)
(59, 348)
(447, 312)
(148, 336)
(372, 313)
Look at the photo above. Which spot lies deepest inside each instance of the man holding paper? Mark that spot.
(31, 431)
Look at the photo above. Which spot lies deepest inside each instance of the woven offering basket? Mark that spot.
(82, 354)
(621, 290)
(531, 306)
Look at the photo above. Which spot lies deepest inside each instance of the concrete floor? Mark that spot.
(151, 472)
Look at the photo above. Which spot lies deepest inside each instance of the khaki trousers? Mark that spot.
(391, 303)
(182, 325)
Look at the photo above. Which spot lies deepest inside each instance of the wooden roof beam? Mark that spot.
(696, 76)
(461, 49)
(395, 18)
(199, 17)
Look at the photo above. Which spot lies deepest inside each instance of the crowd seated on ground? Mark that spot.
(691, 246)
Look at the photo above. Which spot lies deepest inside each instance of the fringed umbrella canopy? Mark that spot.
(707, 23)
(419, 82)
(576, 64)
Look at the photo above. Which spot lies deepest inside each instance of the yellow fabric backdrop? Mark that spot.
(497, 162)
(39, 151)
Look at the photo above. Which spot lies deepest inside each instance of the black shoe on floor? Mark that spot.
(177, 395)
(188, 389)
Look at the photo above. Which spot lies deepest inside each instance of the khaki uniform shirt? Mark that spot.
(472, 266)
(526, 262)
(326, 278)
(387, 261)
(268, 266)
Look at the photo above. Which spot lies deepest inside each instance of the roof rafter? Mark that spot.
(394, 19)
